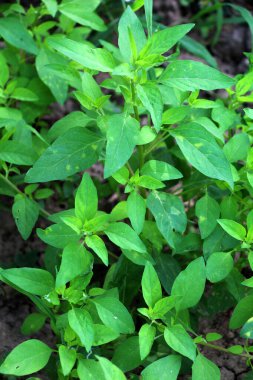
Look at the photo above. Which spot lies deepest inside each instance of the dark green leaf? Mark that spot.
(25, 212)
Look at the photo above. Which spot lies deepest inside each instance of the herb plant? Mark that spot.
(124, 284)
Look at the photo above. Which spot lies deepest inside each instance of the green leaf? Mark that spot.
(89, 369)
(114, 314)
(76, 11)
(91, 58)
(180, 341)
(201, 151)
(192, 75)
(160, 368)
(234, 229)
(111, 372)
(237, 147)
(151, 287)
(167, 269)
(86, 199)
(122, 135)
(4, 75)
(67, 359)
(146, 339)
(31, 280)
(57, 86)
(15, 33)
(125, 237)
(148, 5)
(33, 323)
(204, 369)
(28, 357)
(207, 211)
(98, 246)
(136, 209)
(76, 260)
(58, 235)
(150, 96)
(25, 213)
(51, 6)
(80, 321)
(165, 39)
(127, 354)
(160, 170)
(211, 337)
(190, 284)
(103, 334)
(245, 13)
(218, 266)
(129, 24)
(197, 49)
(150, 183)
(17, 153)
(169, 214)
(163, 306)
(73, 152)
(247, 330)
(242, 312)
(24, 94)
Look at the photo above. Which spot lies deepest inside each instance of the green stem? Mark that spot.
(43, 212)
(136, 115)
(222, 349)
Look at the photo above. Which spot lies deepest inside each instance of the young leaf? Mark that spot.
(114, 314)
(169, 214)
(51, 6)
(28, 357)
(180, 341)
(125, 237)
(218, 266)
(234, 229)
(122, 135)
(160, 170)
(73, 152)
(151, 287)
(201, 150)
(98, 246)
(146, 338)
(190, 284)
(136, 209)
(151, 98)
(25, 213)
(192, 75)
(80, 321)
(67, 359)
(160, 368)
(207, 211)
(33, 323)
(76, 260)
(242, 312)
(31, 280)
(148, 5)
(86, 199)
(204, 369)
(111, 372)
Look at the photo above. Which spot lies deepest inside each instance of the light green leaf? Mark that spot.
(16, 34)
(25, 212)
(31, 280)
(201, 150)
(122, 135)
(67, 359)
(204, 369)
(136, 209)
(103, 334)
(198, 50)
(114, 314)
(98, 246)
(218, 266)
(180, 341)
(146, 339)
(151, 98)
(86, 199)
(190, 284)
(33, 323)
(24, 94)
(125, 237)
(192, 75)
(89, 369)
(234, 229)
(73, 152)
(237, 147)
(28, 357)
(163, 306)
(91, 58)
(76, 260)
(151, 287)
(58, 235)
(207, 211)
(148, 5)
(242, 312)
(17, 153)
(247, 330)
(51, 6)
(80, 321)
(160, 368)
(169, 214)
(111, 372)
(160, 170)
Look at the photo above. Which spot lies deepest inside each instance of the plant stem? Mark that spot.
(219, 348)
(43, 212)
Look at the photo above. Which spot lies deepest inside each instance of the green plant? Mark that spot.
(123, 288)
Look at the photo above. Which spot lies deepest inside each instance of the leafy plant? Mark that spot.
(124, 283)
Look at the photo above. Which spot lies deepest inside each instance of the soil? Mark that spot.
(234, 40)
